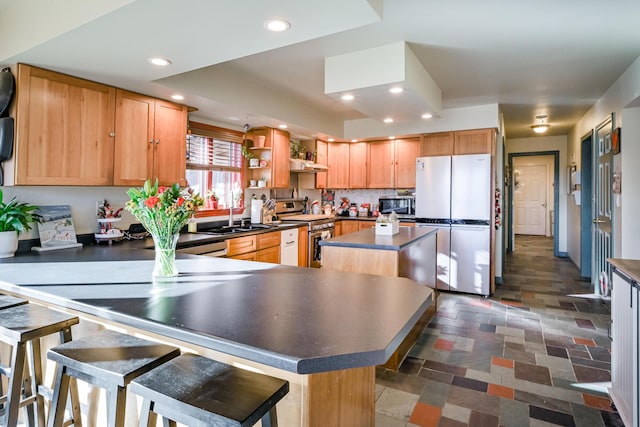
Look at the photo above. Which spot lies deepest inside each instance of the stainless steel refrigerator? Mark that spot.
(453, 193)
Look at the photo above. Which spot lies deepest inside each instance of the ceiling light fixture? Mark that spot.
(177, 97)
(330, 139)
(354, 140)
(283, 126)
(277, 25)
(161, 62)
(388, 120)
(347, 97)
(392, 137)
(427, 116)
(542, 126)
(396, 89)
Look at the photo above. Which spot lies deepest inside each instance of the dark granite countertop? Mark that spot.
(297, 319)
(368, 239)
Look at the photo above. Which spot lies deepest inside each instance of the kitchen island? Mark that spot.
(322, 331)
(409, 253)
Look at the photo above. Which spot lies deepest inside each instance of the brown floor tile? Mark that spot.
(474, 400)
(448, 422)
(586, 374)
(533, 373)
(479, 419)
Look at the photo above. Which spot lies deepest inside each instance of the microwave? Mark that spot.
(404, 206)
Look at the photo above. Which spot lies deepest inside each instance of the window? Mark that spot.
(214, 167)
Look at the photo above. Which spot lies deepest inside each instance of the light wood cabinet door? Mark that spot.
(280, 153)
(64, 129)
(477, 141)
(303, 247)
(170, 136)
(381, 165)
(338, 162)
(437, 144)
(363, 225)
(349, 226)
(407, 151)
(337, 229)
(269, 240)
(134, 138)
(241, 245)
(271, 255)
(249, 256)
(150, 140)
(321, 158)
(358, 165)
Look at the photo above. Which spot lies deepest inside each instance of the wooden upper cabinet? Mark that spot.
(338, 162)
(64, 128)
(358, 165)
(477, 141)
(150, 140)
(437, 144)
(407, 151)
(276, 152)
(321, 158)
(381, 165)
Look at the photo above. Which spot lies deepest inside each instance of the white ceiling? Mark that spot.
(547, 57)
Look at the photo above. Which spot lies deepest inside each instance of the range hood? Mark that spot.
(306, 166)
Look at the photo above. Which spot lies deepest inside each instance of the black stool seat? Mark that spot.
(197, 391)
(20, 326)
(109, 360)
(7, 301)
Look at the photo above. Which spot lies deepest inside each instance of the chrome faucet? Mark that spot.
(231, 215)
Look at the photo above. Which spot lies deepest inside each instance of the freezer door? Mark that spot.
(471, 187)
(470, 259)
(443, 255)
(433, 187)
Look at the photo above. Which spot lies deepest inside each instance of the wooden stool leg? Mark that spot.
(59, 399)
(116, 399)
(27, 390)
(65, 336)
(36, 369)
(270, 419)
(15, 384)
(147, 417)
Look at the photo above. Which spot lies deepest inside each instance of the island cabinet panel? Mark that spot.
(363, 225)
(437, 144)
(64, 129)
(338, 162)
(345, 400)
(358, 165)
(381, 165)
(150, 140)
(321, 158)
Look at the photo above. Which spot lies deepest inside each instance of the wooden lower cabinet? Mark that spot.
(250, 256)
(303, 246)
(259, 247)
(241, 245)
(349, 226)
(271, 255)
(363, 225)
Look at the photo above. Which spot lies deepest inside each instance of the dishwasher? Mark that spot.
(216, 249)
(289, 247)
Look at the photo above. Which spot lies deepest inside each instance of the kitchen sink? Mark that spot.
(234, 229)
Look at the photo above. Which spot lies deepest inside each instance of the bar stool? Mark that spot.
(22, 326)
(109, 360)
(197, 391)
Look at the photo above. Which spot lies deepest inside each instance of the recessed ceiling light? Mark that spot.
(388, 120)
(354, 140)
(427, 116)
(392, 137)
(177, 97)
(347, 97)
(396, 89)
(283, 126)
(330, 139)
(161, 62)
(277, 25)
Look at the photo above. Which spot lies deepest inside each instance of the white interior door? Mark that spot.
(530, 200)
(603, 236)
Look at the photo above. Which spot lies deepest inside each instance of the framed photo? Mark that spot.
(615, 141)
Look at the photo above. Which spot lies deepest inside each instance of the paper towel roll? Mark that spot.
(256, 211)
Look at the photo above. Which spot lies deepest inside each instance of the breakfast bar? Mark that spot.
(323, 331)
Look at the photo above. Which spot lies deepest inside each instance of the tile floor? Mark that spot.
(531, 355)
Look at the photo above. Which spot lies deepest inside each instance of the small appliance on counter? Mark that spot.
(256, 211)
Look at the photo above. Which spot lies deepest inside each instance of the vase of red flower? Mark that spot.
(163, 211)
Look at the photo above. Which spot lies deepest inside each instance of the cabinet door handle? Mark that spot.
(112, 134)
(151, 142)
(157, 141)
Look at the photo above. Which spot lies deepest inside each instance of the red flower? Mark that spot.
(152, 201)
(180, 201)
(161, 190)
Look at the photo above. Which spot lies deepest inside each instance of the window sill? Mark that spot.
(204, 213)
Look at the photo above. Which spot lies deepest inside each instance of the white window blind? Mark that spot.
(209, 153)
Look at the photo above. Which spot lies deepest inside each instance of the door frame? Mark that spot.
(586, 207)
(556, 197)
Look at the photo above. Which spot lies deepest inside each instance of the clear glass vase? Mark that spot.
(165, 261)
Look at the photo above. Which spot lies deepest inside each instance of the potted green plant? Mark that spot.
(15, 217)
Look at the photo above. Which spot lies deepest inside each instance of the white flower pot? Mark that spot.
(8, 243)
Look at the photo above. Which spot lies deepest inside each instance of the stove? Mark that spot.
(320, 227)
